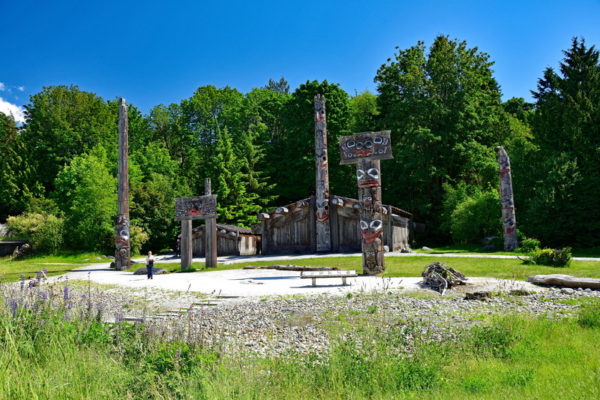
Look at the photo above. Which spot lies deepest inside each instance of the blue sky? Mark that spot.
(154, 52)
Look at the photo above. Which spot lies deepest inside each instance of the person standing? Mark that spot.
(150, 265)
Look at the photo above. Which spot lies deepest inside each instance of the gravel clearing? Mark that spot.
(270, 313)
(279, 325)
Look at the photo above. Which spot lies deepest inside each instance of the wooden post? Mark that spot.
(122, 237)
(509, 218)
(323, 229)
(365, 150)
(210, 233)
(186, 244)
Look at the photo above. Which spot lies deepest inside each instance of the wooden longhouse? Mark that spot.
(324, 222)
(231, 241)
(291, 229)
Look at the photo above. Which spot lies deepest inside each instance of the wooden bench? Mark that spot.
(327, 274)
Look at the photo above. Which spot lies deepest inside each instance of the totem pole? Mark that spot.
(365, 150)
(323, 229)
(210, 232)
(509, 219)
(122, 238)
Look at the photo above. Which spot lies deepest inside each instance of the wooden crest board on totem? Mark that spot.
(365, 146)
(198, 207)
(366, 150)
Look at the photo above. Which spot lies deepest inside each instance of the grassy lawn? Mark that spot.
(413, 266)
(475, 249)
(10, 271)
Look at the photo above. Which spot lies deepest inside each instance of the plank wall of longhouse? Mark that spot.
(289, 229)
(229, 242)
(346, 226)
(400, 226)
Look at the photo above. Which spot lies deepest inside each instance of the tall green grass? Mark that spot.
(49, 350)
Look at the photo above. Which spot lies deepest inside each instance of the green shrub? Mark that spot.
(44, 231)
(551, 257)
(529, 245)
(138, 238)
(476, 217)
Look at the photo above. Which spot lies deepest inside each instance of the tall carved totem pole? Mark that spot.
(323, 229)
(122, 237)
(366, 150)
(509, 219)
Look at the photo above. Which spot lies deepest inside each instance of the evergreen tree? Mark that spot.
(293, 153)
(16, 175)
(280, 86)
(563, 207)
(236, 203)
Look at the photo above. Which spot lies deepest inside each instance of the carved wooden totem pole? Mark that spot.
(323, 229)
(188, 209)
(210, 232)
(365, 150)
(122, 237)
(509, 219)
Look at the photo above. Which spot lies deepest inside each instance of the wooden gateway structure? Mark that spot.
(324, 222)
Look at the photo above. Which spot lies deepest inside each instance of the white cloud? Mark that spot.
(2, 87)
(21, 88)
(12, 109)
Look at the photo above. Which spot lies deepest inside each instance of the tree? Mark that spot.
(16, 174)
(280, 86)
(363, 112)
(563, 207)
(443, 108)
(64, 122)
(236, 204)
(86, 194)
(153, 192)
(293, 153)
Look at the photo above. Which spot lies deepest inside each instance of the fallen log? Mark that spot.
(565, 280)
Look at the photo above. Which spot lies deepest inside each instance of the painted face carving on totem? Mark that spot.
(368, 145)
(371, 230)
(122, 237)
(322, 213)
(368, 178)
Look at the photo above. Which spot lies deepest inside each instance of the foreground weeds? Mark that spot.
(55, 346)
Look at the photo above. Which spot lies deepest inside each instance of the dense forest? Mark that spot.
(442, 104)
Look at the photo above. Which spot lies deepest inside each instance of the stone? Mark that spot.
(425, 248)
(157, 271)
(482, 296)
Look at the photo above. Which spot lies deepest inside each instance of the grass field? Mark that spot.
(57, 264)
(475, 249)
(414, 265)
